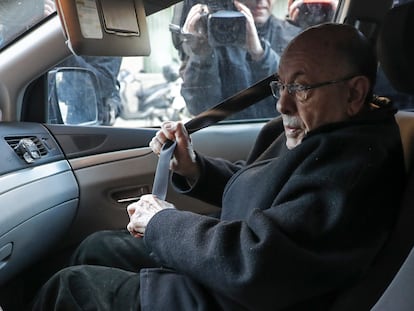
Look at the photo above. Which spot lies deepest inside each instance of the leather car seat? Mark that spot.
(388, 284)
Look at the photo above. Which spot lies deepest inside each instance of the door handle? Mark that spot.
(131, 194)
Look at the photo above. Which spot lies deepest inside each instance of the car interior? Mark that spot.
(61, 182)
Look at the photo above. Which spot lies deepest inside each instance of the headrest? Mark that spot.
(395, 47)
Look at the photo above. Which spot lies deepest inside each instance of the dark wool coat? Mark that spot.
(296, 226)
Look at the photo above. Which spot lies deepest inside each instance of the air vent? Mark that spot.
(14, 142)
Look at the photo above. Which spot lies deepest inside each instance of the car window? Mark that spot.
(190, 68)
(16, 17)
(194, 66)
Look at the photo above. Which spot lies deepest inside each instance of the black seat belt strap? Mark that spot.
(233, 104)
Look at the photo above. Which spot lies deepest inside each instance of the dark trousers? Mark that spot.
(110, 248)
(90, 288)
(104, 276)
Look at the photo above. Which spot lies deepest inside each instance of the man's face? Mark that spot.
(261, 9)
(307, 64)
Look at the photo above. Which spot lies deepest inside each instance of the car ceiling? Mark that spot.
(152, 6)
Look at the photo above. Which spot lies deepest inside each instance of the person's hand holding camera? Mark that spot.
(253, 45)
(194, 29)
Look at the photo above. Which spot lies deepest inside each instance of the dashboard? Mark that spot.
(38, 195)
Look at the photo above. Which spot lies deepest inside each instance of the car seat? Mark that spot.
(396, 50)
(374, 292)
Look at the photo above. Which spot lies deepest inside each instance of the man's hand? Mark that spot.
(141, 212)
(184, 159)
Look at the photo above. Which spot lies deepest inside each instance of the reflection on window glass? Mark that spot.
(18, 16)
(201, 53)
(214, 69)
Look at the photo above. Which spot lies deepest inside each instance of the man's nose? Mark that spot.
(286, 103)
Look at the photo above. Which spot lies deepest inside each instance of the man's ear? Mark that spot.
(358, 90)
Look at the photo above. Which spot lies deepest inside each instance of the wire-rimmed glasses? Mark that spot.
(300, 91)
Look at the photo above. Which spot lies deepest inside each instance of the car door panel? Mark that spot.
(114, 167)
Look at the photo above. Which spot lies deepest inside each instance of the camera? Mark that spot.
(225, 24)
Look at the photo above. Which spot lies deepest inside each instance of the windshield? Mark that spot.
(17, 16)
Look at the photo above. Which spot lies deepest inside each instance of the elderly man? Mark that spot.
(304, 218)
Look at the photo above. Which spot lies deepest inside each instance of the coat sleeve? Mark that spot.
(215, 173)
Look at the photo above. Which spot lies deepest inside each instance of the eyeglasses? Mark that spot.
(300, 91)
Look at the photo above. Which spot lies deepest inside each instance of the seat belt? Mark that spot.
(233, 104)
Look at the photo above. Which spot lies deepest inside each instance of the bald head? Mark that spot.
(337, 48)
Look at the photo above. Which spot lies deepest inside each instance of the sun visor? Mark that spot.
(105, 27)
